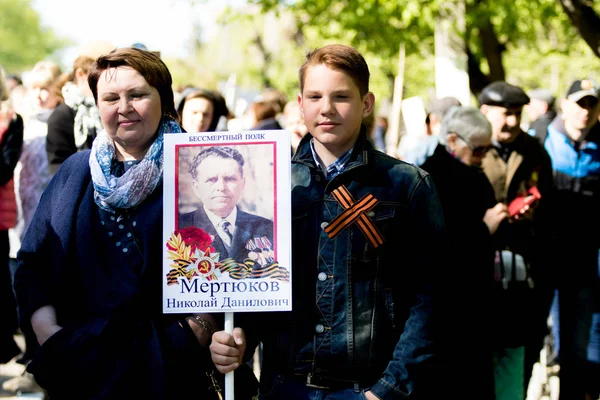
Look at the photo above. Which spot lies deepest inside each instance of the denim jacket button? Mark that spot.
(324, 224)
(371, 214)
(322, 276)
(319, 328)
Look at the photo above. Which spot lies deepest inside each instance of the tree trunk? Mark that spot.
(585, 20)
(477, 79)
(492, 51)
(267, 58)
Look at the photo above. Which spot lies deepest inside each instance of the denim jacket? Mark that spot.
(361, 313)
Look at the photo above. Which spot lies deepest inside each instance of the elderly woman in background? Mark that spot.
(472, 216)
(89, 269)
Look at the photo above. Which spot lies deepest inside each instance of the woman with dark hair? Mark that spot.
(88, 275)
(201, 110)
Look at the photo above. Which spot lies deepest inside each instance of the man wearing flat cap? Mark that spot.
(518, 167)
(573, 143)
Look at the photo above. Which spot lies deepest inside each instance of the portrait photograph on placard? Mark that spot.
(225, 224)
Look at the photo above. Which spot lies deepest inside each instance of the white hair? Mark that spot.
(466, 122)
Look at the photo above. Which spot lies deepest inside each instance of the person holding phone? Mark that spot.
(517, 165)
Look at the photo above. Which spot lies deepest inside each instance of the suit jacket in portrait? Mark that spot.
(247, 226)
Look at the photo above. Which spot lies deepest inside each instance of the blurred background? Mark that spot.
(241, 47)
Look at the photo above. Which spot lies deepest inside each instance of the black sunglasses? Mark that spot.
(475, 150)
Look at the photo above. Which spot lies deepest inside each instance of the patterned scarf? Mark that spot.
(87, 117)
(131, 188)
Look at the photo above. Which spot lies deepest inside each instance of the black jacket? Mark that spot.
(465, 194)
(60, 141)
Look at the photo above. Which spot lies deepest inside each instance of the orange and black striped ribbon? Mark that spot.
(246, 270)
(355, 212)
(239, 271)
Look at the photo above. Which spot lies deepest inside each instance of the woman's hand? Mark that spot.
(43, 322)
(227, 350)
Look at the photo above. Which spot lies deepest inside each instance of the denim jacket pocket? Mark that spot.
(365, 249)
(382, 219)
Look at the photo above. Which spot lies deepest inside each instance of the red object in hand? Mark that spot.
(517, 204)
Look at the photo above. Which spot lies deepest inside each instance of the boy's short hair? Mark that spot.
(341, 57)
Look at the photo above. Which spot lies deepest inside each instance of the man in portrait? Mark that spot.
(218, 182)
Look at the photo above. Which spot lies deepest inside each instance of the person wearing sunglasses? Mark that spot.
(472, 216)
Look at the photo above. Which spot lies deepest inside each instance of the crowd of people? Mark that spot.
(477, 245)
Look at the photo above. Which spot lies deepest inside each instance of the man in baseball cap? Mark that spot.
(573, 143)
(580, 108)
(582, 88)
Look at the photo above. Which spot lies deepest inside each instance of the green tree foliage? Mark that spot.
(260, 50)
(24, 40)
(532, 43)
(528, 43)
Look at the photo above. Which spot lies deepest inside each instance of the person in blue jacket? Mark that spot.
(573, 142)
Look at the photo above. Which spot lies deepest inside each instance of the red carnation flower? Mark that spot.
(196, 238)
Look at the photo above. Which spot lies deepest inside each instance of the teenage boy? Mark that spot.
(367, 240)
